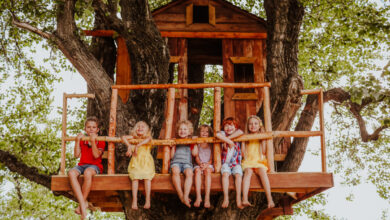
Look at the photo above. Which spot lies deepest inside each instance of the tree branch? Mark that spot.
(30, 173)
(108, 15)
(28, 27)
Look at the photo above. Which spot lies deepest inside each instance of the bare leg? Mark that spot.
(134, 192)
(267, 188)
(245, 186)
(187, 186)
(81, 210)
(176, 182)
(198, 183)
(207, 176)
(238, 181)
(148, 187)
(225, 186)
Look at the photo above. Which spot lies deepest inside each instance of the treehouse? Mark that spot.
(200, 32)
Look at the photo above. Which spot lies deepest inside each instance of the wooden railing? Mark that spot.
(268, 135)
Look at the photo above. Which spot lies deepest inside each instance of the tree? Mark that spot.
(58, 26)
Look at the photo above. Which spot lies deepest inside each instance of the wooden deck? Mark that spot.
(104, 186)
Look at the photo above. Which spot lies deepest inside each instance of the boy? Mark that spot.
(231, 159)
(90, 163)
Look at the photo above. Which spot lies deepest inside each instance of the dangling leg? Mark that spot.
(176, 182)
(207, 183)
(267, 188)
(245, 186)
(198, 184)
(148, 187)
(187, 186)
(73, 175)
(134, 190)
(225, 186)
(238, 181)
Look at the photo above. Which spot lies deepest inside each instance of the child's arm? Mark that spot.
(173, 149)
(96, 152)
(129, 146)
(147, 140)
(195, 153)
(77, 149)
(263, 147)
(243, 151)
(225, 139)
(236, 133)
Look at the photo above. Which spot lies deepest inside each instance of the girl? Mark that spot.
(203, 159)
(255, 161)
(182, 162)
(141, 166)
(231, 160)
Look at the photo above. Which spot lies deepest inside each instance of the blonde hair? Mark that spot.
(209, 129)
(133, 131)
(185, 122)
(260, 123)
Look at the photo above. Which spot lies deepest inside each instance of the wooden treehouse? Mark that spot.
(205, 32)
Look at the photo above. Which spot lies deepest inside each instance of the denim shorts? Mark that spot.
(182, 166)
(235, 170)
(81, 169)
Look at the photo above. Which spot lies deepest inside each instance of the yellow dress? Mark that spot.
(254, 157)
(142, 165)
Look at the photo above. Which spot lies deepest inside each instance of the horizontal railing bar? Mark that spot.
(310, 91)
(87, 95)
(246, 137)
(193, 86)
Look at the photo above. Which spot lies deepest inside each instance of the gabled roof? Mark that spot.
(223, 2)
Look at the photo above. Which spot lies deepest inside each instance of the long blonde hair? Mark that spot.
(260, 122)
(133, 131)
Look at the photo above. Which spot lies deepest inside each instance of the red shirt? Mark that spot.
(87, 156)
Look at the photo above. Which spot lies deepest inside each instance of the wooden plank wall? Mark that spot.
(241, 109)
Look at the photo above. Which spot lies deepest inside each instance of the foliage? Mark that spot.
(341, 44)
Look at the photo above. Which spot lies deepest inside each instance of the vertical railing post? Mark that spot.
(111, 132)
(217, 124)
(168, 128)
(321, 116)
(63, 133)
(268, 128)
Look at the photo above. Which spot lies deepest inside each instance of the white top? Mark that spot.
(229, 154)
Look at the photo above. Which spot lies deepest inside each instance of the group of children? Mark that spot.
(236, 158)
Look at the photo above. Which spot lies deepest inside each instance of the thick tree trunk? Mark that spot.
(284, 19)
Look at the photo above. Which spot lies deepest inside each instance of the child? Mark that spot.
(141, 166)
(182, 162)
(90, 163)
(231, 159)
(203, 159)
(255, 161)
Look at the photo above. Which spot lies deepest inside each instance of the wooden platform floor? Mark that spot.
(103, 192)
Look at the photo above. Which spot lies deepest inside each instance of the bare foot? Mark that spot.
(239, 205)
(271, 204)
(197, 202)
(134, 205)
(147, 205)
(246, 203)
(77, 210)
(187, 202)
(225, 203)
(207, 204)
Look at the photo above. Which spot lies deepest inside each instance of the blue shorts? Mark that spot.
(235, 170)
(81, 169)
(182, 166)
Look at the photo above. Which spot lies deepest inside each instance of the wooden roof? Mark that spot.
(228, 18)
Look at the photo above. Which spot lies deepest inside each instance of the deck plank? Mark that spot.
(280, 182)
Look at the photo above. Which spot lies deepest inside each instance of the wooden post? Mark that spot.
(217, 124)
(111, 132)
(268, 128)
(228, 76)
(168, 128)
(63, 133)
(183, 78)
(321, 114)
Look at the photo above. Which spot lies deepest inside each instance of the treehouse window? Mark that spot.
(243, 73)
(201, 14)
